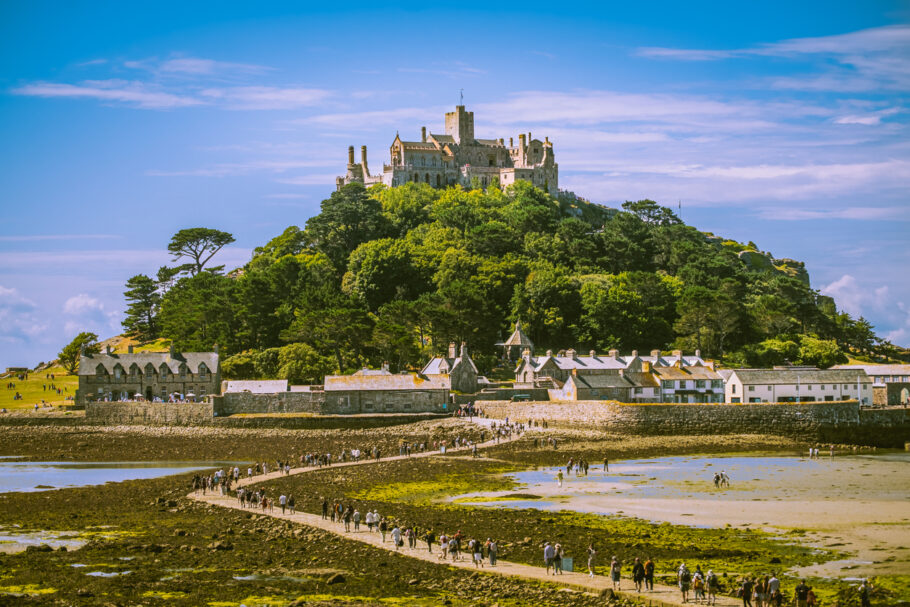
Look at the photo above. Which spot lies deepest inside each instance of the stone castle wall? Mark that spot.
(825, 421)
(150, 414)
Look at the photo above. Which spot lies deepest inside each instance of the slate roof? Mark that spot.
(262, 386)
(488, 142)
(518, 338)
(443, 138)
(604, 362)
(433, 367)
(403, 381)
(641, 380)
(602, 381)
(877, 369)
(88, 364)
(366, 371)
(804, 376)
(677, 373)
(419, 145)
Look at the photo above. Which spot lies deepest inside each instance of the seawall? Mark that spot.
(840, 422)
(149, 414)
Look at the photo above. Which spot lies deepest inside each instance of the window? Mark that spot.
(203, 371)
(368, 405)
(666, 385)
(117, 371)
(149, 371)
(638, 390)
(717, 384)
(769, 388)
(202, 391)
(99, 371)
(163, 372)
(182, 371)
(751, 388)
(823, 386)
(699, 383)
(733, 389)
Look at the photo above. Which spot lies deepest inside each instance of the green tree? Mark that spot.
(84, 343)
(301, 364)
(651, 213)
(549, 304)
(343, 329)
(821, 353)
(239, 366)
(627, 245)
(199, 245)
(201, 311)
(143, 299)
(381, 270)
(349, 218)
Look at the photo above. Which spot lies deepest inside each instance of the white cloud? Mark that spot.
(134, 93)
(265, 97)
(20, 320)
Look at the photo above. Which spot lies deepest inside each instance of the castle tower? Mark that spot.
(460, 125)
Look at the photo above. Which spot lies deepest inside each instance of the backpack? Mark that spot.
(686, 576)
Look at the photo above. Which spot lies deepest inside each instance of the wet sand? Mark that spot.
(854, 504)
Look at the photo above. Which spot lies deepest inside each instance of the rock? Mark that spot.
(413, 582)
(40, 548)
(179, 532)
(607, 594)
(774, 559)
(84, 592)
(336, 579)
(62, 549)
(171, 503)
(221, 546)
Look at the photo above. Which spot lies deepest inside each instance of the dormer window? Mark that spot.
(203, 371)
(182, 371)
(163, 372)
(100, 371)
(118, 371)
(149, 370)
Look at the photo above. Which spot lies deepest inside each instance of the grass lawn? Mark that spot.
(32, 391)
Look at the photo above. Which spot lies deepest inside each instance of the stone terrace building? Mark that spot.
(890, 383)
(553, 371)
(111, 376)
(386, 393)
(457, 157)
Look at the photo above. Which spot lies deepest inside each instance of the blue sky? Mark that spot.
(782, 123)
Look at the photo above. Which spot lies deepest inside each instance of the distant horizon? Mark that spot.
(783, 125)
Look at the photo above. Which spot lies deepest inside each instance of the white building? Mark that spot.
(797, 384)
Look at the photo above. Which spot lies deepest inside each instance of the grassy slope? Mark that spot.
(32, 391)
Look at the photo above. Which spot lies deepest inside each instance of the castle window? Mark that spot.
(427, 176)
(416, 178)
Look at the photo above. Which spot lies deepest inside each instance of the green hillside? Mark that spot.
(395, 274)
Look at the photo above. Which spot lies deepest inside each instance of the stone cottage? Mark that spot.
(386, 393)
(151, 375)
(458, 370)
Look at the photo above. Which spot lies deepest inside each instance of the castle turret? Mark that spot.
(460, 125)
(423, 134)
(350, 154)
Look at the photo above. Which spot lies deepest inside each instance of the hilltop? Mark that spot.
(396, 273)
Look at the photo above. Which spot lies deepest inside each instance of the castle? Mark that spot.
(457, 158)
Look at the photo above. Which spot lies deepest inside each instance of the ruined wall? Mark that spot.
(826, 421)
(150, 414)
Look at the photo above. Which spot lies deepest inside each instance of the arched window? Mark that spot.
(182, 371)
(438, 181)
(416, 178)
(149, 371)
(427, 177)
(100, 371)
(203, 371)
(134, 370)
(162, 372)
(118, 371)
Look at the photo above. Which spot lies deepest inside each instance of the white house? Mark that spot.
(798, 384)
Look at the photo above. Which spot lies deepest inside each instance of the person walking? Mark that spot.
(865, 592)
(711, 588)
(356, 520)
(283, 502)
(684, 578)
(801, 594)
(492, 551)
(557, 559)
(745, 591)
(549, 552)
(615, 573)
(638, 574)
(649, 574)
(383, 528)
(592, 554)
(430, 537)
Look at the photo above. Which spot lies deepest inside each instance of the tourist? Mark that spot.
(649, 574)
(346, 517)
(559, 478)
(801, 593)
(745, 591)
(383, 528)
(492, 551)
(283, 502)
(453, 548)
(698, 586)
(291, 504)
(711, 588)
(396, 537)
(477, 551)
(549, 554)
(325, 508)
(592, 553)
(430, 538)
(615, 573)
(811, 601)
(356, 520)
(638, 574)
(557, 559)
(772, 591)
(684, 578)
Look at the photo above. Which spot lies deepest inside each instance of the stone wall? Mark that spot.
(842, 422)
(234, 403)
(501, 394)
(149, 414)
(891, 394)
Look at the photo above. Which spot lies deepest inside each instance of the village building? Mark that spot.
(518, 343)
(149, 375)
(797, 384)
(689, 383)
(255, 386)
(890, 383)
(553, 370)
(456, 369)
(457, 157)
(386, 393)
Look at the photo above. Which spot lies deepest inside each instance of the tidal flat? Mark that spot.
(160, 548)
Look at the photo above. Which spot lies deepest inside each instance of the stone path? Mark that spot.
(660, 596)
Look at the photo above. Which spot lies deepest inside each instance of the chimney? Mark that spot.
(547, 139)
(570, 353)
(613, 354)
(129, 349)
(634, 353)
(363, 154)
(521, 140)
(350, 154)
(385, 365)
(645, 366)
(107, 349)
(526, 353)
(677, 353)
(172, 351)
(529, 136)
(423, 134)
(511, 142)
(655, 354)
(549, 353)
(215, 348)
(452, 350)
(464, 350)
(698, 354)
(592, 354)
(501, 142)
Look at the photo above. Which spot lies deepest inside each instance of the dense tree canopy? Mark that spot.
(395, 274)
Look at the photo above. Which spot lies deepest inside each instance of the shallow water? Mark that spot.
(44, 476)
